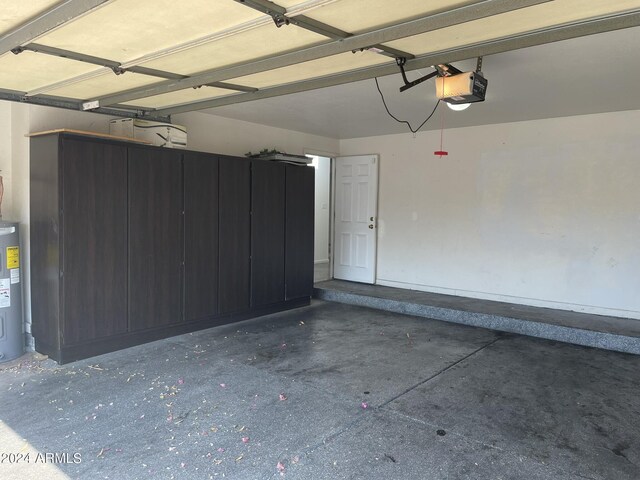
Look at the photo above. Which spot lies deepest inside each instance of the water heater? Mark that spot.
(11, 334)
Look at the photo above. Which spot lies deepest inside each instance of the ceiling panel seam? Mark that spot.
(69, 81)
(425, 24)
(280, 17)
(235, 30)
(159, 54)
(48, 21)
(117, 68)
(529, 39)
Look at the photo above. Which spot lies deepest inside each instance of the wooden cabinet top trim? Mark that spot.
(87, 134)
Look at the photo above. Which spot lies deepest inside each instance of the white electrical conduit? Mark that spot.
(299, 9)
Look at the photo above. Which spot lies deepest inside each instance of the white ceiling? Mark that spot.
(160, 57)
(593, 74)
(120, 57)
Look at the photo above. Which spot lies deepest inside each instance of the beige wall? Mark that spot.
(542, 212)
(5, 156)
(210, 133)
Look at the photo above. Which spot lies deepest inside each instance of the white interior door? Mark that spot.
(356, 209)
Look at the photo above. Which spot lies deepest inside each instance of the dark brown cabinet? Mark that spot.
(234, 235)
(300, 200)
(267, 232)
(78, 199)
(132, 243)
(155, 238)
(94, 229)
(201, 236)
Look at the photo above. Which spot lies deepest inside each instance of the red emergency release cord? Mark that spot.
(441, 152)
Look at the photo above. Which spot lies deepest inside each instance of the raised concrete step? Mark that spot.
(599, 331)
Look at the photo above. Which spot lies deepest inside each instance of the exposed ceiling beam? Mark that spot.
(84, 58)
(207, 39)
(117, 67)
(72, 104)
(280, 17)
(236, 29)
(538, 37)
(46, 21)
(467, 13)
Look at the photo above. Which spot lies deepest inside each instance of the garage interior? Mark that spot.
(475, 310)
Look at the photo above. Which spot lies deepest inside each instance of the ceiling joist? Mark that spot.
(280, 18)
(47, 21)
(71, 104)
(236, 47)
(467, 13)
(540, 37)
(118, 68)
(185, 46)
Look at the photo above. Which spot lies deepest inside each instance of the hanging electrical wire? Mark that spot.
(404, 121)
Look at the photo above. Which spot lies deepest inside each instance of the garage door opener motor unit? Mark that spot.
(467, 87)
(452, 85)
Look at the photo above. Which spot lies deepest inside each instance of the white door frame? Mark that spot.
(332, 172)
(332, 225)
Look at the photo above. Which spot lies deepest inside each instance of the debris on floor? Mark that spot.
(103, 450)
(180, 419)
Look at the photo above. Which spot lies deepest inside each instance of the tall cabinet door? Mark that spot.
(94, 229)
(234, 235)
(200, 235)
(155, 238)
(299, 237)
(267, 232)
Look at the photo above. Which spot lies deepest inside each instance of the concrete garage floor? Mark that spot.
(444, 401)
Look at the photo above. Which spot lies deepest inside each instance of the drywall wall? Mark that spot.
(18, 204)
(323, 182)
(210, 133)
(206, 133)
(5, 156)
(543, 212)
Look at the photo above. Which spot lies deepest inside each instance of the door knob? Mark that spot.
(370, 226)
(371, 219)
